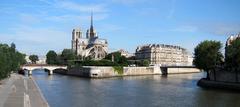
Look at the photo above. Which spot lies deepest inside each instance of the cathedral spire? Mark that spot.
(92, 33)
(92, 19)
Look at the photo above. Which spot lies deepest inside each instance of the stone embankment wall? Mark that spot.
(89, 71)
(225, 76)
(96, 72)
(182, 70)
(138, 70)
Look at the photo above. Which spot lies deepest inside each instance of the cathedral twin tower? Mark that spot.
(90, 47)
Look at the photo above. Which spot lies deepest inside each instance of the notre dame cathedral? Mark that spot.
(91, 46)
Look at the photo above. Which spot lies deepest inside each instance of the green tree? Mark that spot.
(10, 60)
(207, 55)
(51, 57)
(33, 58)
(117, 58)
(67, 54)
(13, 46)
(146, 63)
(232, 57)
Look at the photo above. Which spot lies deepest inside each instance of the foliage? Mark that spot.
(67, 54)
(232, 57)
(103, 62)
(207, 55)
(13, 46)
(61, 59)
(33, 58)
(118, 69)
(78, 63)
(10, 59)
(117, 58)
(68, 57)
(145, 62)
(52, 57)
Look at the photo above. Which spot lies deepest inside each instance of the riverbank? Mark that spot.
(218, 85)
(105, 72)
(20, 91)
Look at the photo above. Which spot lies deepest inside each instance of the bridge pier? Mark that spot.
(50, 72)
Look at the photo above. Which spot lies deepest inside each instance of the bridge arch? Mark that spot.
(30, 68)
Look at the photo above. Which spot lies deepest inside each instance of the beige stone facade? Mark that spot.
(92, 46)
(164, 55)
(232, 38)
(125, 53)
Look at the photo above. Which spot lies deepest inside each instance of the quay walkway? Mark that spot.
(20, 91)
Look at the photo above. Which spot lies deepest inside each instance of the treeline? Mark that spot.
(208, 57)
(68, 57)
(10, 59)
(52, 58)
(113, 59)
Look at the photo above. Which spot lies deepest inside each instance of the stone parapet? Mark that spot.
(101, 71)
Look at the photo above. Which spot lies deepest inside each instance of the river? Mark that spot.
(177, 90)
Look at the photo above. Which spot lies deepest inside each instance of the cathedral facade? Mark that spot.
(90, 46)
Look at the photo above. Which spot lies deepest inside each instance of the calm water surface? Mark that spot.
(177, 90)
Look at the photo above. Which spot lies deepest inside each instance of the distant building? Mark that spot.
(91, 46)
(232, 38)
(190, 60)
(161, 54)
(27, 59)
(125, 53)
(41, 60)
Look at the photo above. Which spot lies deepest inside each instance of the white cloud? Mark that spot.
(71, 17)
(223, 29)
(33, 38)
(172, 9)
(109, 27)
(37, 40)
(96, 8)
(47, 1)
(185, 29)
(74, 11)
(129, 2)
(28, 18)
(219, 28)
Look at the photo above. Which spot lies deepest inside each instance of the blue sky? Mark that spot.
(37, 26)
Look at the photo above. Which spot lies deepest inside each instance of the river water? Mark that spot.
(177, 90)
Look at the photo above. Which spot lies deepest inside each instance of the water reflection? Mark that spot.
(132, 91)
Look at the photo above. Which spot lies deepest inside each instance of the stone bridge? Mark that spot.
(31, 67)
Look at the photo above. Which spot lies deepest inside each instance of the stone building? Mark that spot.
(164, 55)
(90, 46)
(232, 38)
(125, 53)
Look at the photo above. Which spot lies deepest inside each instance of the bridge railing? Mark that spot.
(44, 65)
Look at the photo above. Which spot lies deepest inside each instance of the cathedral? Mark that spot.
(232, 38)
(90, 46)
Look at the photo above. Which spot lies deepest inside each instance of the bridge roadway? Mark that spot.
(31, 67)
